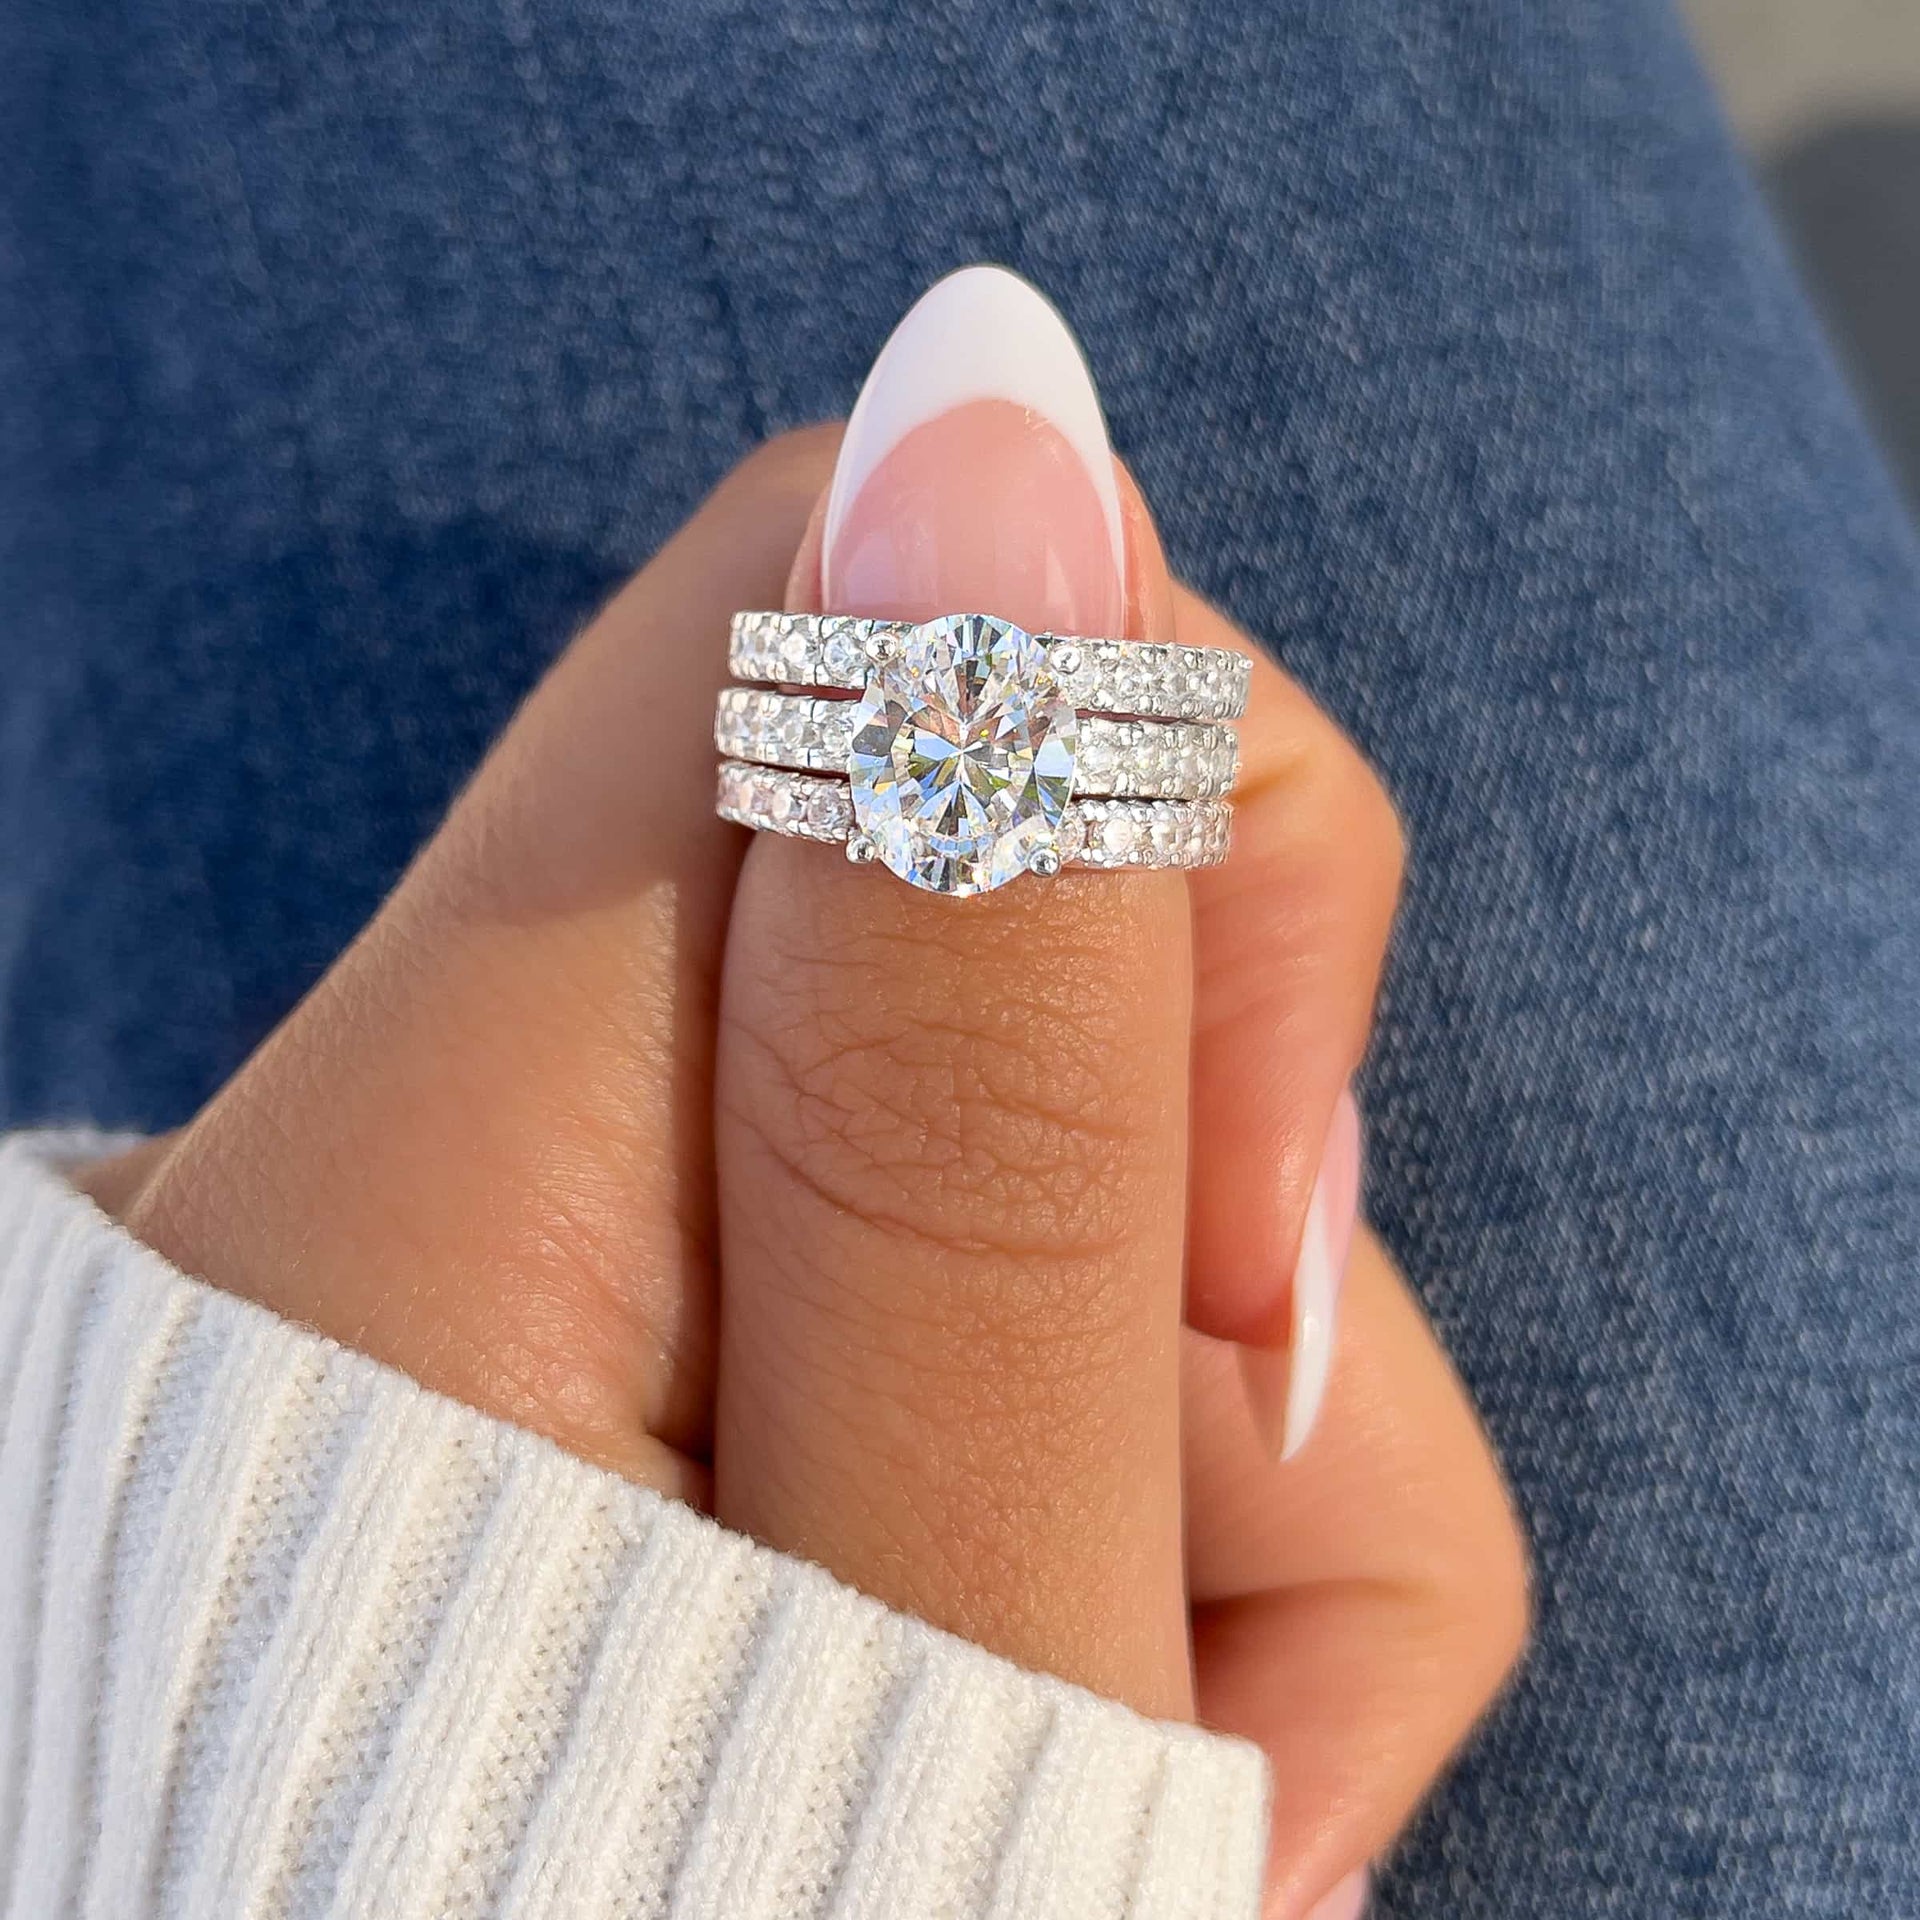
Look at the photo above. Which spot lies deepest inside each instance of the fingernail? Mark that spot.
(1346, 1902)
(975, 475)
(1286, 1385)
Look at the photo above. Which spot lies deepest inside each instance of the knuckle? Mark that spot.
(1002, 1119)
(1386, 832)
(1326, 857)
(965, 1145)
(1509, 1593)
(1370, 824)
(1484, 1585)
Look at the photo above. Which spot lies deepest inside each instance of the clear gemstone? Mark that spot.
(963, 754)
(828, 812)
(836, 735)
(842, 654)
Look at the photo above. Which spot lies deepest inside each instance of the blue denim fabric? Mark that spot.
(351, 353)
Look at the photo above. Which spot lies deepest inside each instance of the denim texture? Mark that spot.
(352, 353)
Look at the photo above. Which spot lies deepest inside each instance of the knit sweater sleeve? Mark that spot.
(283, 1633)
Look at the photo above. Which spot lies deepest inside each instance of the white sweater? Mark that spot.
(283, 1633)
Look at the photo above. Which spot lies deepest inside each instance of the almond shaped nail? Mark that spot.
(975, 474)
(1286, 1387)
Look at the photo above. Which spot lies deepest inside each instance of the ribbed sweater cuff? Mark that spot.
(281, 1632)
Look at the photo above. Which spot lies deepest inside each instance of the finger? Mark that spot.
(952, 1132)
(1355, 1612)
(480, 1149)
(1290, 936)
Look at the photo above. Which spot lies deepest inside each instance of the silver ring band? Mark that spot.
(1095, 833)
(1127, 759)
(1133, 677)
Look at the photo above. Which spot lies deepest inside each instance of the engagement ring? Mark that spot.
(976, 751)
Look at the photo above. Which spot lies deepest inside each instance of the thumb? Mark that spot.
(952, 1131)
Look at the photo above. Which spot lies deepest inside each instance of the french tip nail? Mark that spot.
(1286, 1387)
(980, 334)
(1316, 1290)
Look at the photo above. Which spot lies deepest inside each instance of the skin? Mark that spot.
(597, 1071)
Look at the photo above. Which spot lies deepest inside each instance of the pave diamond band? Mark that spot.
(1095, 833)
(975, 751)
(1130, 759)
(1133, 677)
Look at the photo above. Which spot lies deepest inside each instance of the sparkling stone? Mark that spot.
(963, 754)
(836, 735)
(828, 812)
(842, 654)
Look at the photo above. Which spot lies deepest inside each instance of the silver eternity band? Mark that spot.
(1097, 676)
(1127, 759)
(977, 751)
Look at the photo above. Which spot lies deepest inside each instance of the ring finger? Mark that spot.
(952, 1133)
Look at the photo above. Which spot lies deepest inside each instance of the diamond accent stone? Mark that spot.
(840, 650)
(962, 762)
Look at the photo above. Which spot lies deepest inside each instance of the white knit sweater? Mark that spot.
(282, 1633)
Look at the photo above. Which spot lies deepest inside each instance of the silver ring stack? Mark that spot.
(975, 751)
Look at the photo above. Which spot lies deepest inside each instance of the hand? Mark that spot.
(864, 1216)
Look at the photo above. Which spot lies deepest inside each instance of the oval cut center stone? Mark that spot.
(962, 758)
